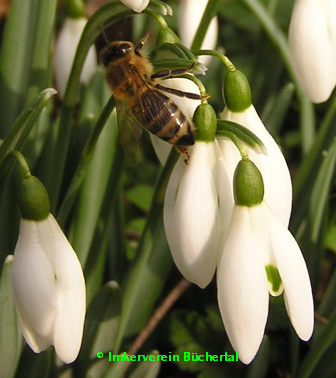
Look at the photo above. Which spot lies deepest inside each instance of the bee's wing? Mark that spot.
(130, 131)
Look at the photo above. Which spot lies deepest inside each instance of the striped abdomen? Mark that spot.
(162, 117)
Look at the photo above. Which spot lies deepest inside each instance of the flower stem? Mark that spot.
(158, 18)
(223, 58)
(22, 163)
(200, 85)
(209, 13)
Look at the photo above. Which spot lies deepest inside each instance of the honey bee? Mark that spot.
(130, 76)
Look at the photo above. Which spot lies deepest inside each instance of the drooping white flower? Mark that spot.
(189, 17)
(65, 50)
(191, 214)
(136, 5)
(49, 289)
(188, 107)
(312, 47)
(272, 165)
(256, 240)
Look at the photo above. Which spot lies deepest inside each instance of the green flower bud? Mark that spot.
(76, 9)
(205, 121)
(236, 91)
(167, 35)
(33, 199)
(248, 184)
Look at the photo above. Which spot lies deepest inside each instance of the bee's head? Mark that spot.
(115, 51)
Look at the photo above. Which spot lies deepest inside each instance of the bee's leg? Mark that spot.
(184, 150)
(177, 92)
(164, 74)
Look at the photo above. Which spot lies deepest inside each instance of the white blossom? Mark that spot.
(312, 47)
(49, 289)
(189, 17)
(136, 5)
(257, 239)
(191, 214)
(65, 50)
(272, 165)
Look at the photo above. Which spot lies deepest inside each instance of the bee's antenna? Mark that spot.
(141, 43)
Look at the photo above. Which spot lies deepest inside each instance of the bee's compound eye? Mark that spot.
(123, 49)
(113, 52)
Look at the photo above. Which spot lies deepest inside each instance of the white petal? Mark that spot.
(273, 167)
(188, 107)
(65, 50)
(226, 166)
(136, 5)
(242, 287)
(312, 46)
(190, 14)
(34, 288)
(70, 286)
(191, 214)
(293, 272)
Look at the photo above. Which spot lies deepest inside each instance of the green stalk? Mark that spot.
(19, 133)
(40, 65)
(147, 258)
(303, 183)
(85, 159)
(209, 13)
(276, 35)
(319, 347)
(15, 62)
(100, 20)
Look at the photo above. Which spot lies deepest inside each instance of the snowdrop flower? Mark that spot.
(189, 17)
(48, 283)
(312, 47)
(272, 164)
(65, 50)
(191, 208)
(188, 107)
(259, 256)
(136, 5)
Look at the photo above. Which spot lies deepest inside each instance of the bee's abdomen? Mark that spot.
(162, 117)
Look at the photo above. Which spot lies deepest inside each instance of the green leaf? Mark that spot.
(18, 134)
(141, 196)
(11, 338)
(117, 370)
(242, 133)
(104, 17)
(15, 61)
(150, 268)
(148, 369)
(320, 194)
(100, 329)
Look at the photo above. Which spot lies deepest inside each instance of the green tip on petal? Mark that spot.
(33, 199)
(205, 121)
(236, 91)
(248, 184)
(273, 277)
(167, 35)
